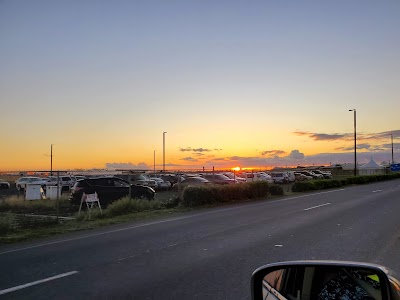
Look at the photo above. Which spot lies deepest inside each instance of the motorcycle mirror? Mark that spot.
(320, 280)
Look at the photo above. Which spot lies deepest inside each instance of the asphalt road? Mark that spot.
(209, 254)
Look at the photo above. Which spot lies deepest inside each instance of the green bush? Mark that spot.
(276, 190)
(127, 205)
(210, 194)
(327, 184)
(171, 202)
(19, 205)
(6, 224)
(305, 186)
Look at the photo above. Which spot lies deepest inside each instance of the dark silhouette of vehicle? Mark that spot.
(108, 189)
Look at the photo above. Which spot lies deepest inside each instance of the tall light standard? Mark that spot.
(51, 160)
(154, 162)
(392, 148)
(355, 140)
(164, 150)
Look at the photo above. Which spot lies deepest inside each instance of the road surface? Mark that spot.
(210, 253)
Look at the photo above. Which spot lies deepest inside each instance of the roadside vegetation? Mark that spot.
(305, 186)
(22, 220)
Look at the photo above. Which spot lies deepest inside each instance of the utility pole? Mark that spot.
(154, 162)
(355, 141)
(51, 160)
(164, 151)
(392, 148)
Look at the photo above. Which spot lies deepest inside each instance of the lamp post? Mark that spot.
(154, 162)
(164, 150)
(51, 160)
(392, 148)
(355, 140)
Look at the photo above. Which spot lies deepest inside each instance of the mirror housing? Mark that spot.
(309, 280)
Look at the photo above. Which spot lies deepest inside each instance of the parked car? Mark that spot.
(23, 181)
(302, 177)
(262, 176)
(108, 189)
(192, 180)
(172, 178)
(218, 179)
(139, 179)
(325, 174)
(161, 184)
(313, 175)
(4, 184)
(279, 177)
(65, 181)
(235, 176)
(290, 175)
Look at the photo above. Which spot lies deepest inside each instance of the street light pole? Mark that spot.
(392, 148)
(154, 162)
(51, 159)
(164, 150)
(355, 141)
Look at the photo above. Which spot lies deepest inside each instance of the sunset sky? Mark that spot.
(233, 83)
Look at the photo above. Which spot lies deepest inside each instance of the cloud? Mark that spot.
(189, 158)
(273, 153)
(322, 136)
(296, 154)
(190, 149)
(359, 147)
(389, 146)
(127, 166)
(201, 150)
(385, 135)
(185, 149)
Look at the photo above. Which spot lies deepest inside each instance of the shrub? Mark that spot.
(127, 205)
(6, 225)
(19, 205)
(26, 221)
(276, 190)
(197, 195)
(210, 194)
(171, 202)
(303, 186)
(333, 183)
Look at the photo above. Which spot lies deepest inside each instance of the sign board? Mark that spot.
(91, 201)
(395, 167)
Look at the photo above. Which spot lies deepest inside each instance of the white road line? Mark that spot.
(377, 191)
(317, 206)
(164, 221)
(23, 286)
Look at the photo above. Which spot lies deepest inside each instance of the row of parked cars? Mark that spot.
(65, 181)
(141, 185)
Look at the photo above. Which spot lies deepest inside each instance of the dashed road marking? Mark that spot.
(23, 286)
(317, 206)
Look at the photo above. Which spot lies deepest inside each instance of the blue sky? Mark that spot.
(103, 79)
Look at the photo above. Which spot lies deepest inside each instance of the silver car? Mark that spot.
(23, 181)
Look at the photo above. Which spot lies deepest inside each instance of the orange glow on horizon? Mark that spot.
(237, 169)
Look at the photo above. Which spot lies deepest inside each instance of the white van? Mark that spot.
(280, 177)
(258, 176)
